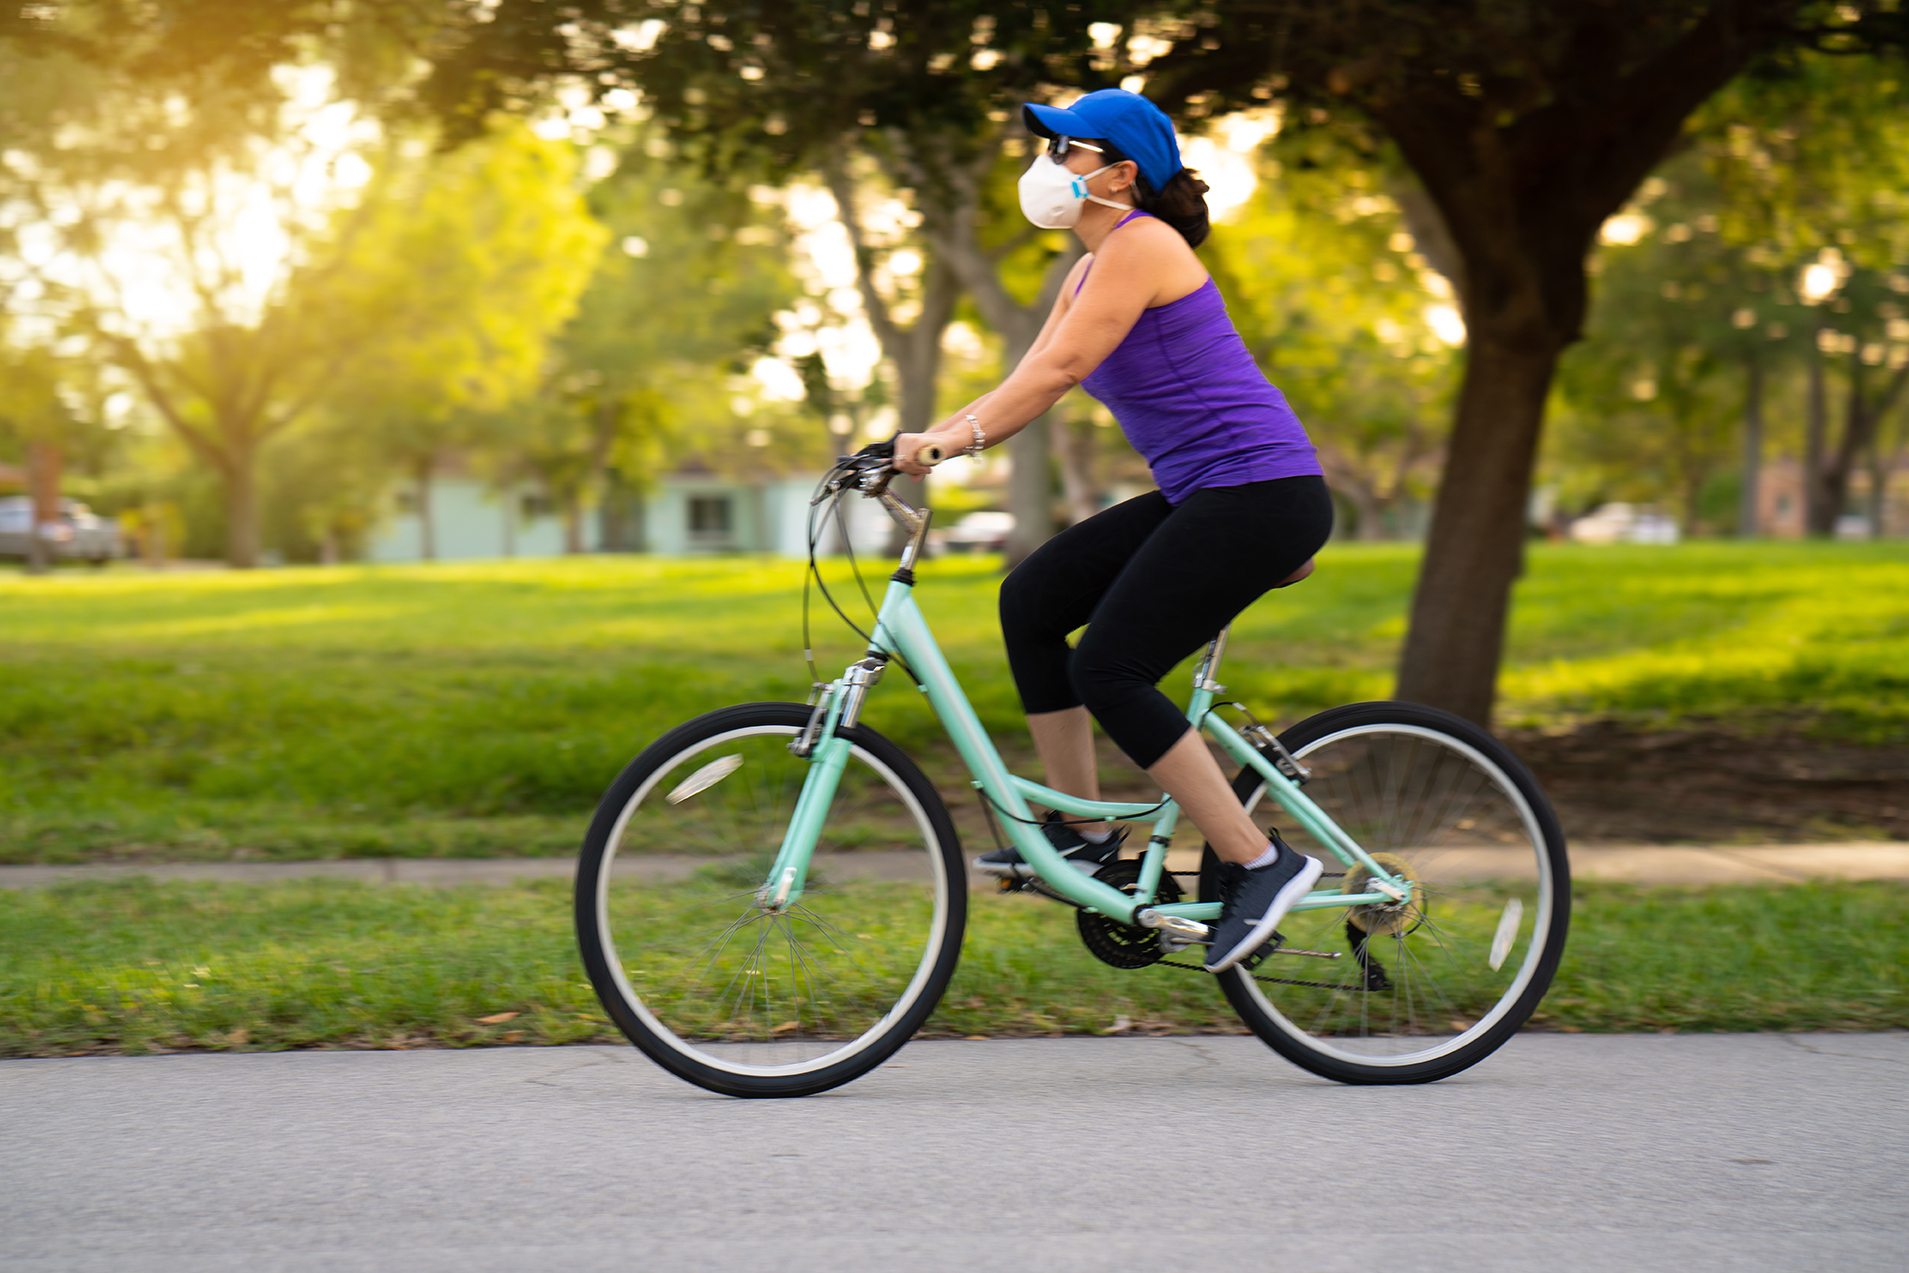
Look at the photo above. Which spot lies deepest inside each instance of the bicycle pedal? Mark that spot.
(1260, 956)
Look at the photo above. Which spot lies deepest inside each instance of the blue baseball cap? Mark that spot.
(1140, 129)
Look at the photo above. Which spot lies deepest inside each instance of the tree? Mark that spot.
(1331, 293)
(33, 417)
(1528, 125)
(1812, 157)
(921, 90)
(681, 302)
(464, 268)
(1691, 324)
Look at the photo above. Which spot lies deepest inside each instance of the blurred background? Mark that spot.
(320, 283)
(409, 409)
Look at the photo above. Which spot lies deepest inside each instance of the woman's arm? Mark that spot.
(980, 408)
(1079, 334)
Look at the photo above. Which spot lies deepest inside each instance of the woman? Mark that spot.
(1242, 505)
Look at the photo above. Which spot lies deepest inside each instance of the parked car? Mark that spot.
(1625, 524)
(983, 532)
(77, 533)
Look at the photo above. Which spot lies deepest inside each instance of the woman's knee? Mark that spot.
(1104, 685)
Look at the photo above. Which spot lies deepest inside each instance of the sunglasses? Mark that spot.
(1059, 146)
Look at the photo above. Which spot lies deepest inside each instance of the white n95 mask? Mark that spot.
(1053, 196)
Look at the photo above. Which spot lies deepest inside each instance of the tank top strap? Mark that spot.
(1137, 212)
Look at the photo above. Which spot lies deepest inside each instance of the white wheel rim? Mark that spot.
(869, 1037)
(1541, 930)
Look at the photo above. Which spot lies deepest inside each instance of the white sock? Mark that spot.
(1270, 856)
(1096, 837)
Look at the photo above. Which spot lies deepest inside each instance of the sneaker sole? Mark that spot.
(1022, 871)
(1295, 888)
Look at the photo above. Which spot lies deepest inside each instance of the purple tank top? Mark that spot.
(1192, 401)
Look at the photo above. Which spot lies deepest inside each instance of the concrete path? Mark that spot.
(1692, 1153)
(1641, 864)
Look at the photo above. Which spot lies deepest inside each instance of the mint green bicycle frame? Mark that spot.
(902, 632)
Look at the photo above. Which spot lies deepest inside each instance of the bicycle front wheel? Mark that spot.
(720, 990)
(1413, 993)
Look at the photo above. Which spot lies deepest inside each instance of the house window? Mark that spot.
(534, 506)
(708, 517)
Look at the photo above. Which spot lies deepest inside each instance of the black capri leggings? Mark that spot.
(1153, 583)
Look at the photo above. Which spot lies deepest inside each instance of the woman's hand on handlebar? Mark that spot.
(908, 452)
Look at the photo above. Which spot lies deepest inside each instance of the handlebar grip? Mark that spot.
(930, 454)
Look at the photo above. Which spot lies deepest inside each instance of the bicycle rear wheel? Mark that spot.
(1420, 992)
(720, 991)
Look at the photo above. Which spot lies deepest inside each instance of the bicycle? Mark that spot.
(827, 923)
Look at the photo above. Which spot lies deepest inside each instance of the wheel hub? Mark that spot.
(1393, 919)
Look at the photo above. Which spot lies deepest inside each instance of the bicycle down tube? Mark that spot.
(902, 631)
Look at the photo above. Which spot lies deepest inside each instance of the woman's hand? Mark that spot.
(908, 445)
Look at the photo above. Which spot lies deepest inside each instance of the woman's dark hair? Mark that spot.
(1181, 203)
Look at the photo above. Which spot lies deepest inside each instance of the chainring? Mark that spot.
(1124, 945)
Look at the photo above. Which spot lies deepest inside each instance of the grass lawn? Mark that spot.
(142, 967)
(480, 709)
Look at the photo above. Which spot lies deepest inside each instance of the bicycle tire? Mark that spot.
(1398, 777)
(868, 955)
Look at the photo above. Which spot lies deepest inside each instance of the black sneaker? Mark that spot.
(1252, 902)
(1086, 856)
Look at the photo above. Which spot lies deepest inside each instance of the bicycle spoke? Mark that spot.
(737, 987)
(1422, 976)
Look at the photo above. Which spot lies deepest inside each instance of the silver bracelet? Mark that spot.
(980, 439)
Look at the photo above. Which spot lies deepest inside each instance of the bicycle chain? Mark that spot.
(1271, 981)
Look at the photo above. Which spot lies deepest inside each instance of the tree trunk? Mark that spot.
(1074, 449)
(1369, 507)
(1476, 546)
(511, 508)
(916, 353)
(43, 501)
(1878, 484)
(1030, 489)
(154, 538)
(1817, 520)
(427, 526)
(1752, 450)
(241, 506)
(915, 350)
(573, 522)
(1861, 426)
(1031, 451)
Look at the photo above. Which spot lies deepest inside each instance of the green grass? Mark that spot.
(480, 709)
(145, 967)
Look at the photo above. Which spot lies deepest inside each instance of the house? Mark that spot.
(692, 510)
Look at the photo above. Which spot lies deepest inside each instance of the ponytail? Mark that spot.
(1181, 203)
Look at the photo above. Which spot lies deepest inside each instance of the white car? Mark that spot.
(78, 532)
(983, 531)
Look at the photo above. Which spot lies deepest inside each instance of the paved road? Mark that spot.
(1689, 1153)
(1643, 864)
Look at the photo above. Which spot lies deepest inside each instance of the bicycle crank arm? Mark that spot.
(1192, 929)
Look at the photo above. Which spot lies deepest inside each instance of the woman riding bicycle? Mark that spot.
(1242, 505)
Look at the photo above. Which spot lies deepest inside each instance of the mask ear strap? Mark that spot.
(1094, 198)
